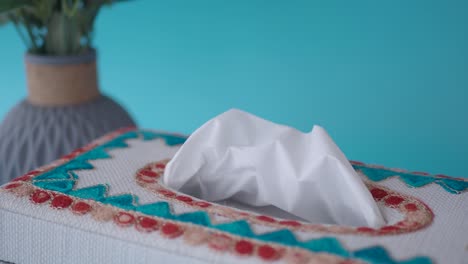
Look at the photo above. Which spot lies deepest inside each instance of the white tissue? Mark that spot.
(242, 157)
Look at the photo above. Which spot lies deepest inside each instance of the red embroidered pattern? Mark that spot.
(417, 214)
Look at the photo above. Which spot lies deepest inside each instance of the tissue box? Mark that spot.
(106, 203)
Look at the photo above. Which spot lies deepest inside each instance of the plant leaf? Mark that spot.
(9, 5)
(4, 19)
(44, 9)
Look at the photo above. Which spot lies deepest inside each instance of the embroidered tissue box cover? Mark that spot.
(106, 203)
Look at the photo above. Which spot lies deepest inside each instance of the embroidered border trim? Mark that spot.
(321, 250)
(413, 179)
(417, 214)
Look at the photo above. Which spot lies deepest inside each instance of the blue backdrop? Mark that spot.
(387, 79)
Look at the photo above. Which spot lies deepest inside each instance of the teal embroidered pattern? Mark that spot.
(379, 255)
(62, 179)
(413, 180)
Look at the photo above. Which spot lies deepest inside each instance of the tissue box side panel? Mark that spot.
(32, 240)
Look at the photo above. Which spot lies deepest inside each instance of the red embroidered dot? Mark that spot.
(413, 224)
(202, 204)
(12, 185)
(219, 242)
(420, 173)
(267, 253)
(69, 156)
(26, 177)
(82, 149)
(365, 229)
(411, 207)
(443, 176)
(184, 198)
(166, 193)
(394, 200)
(266, 218)
(61, 202)
(290, 223)
(87, 147)
(161, 166)
(146, 179)
(40, 196)
(33, 172)
(146, 224)
(243, 214)
(388, 229)
(149, 173)
(244, 247)
(402, 223)
(378, 193)
(81, 208)
(124, 219)
(74, 154)
(171, 230)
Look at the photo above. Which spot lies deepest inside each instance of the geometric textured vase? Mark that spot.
(64, 110)
(31, 136)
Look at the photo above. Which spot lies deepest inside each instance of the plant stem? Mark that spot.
(75, 8)
(20, 33)
(70, 12)
(31, 35)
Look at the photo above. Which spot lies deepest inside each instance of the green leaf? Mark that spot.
(43, 9)
(55, 27)
(86, 19)
(4, 19)
(10, 5)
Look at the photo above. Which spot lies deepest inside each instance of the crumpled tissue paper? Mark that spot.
(239, 156)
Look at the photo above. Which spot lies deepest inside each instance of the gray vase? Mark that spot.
(34, 134)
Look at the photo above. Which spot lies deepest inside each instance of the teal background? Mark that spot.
(387, 79)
